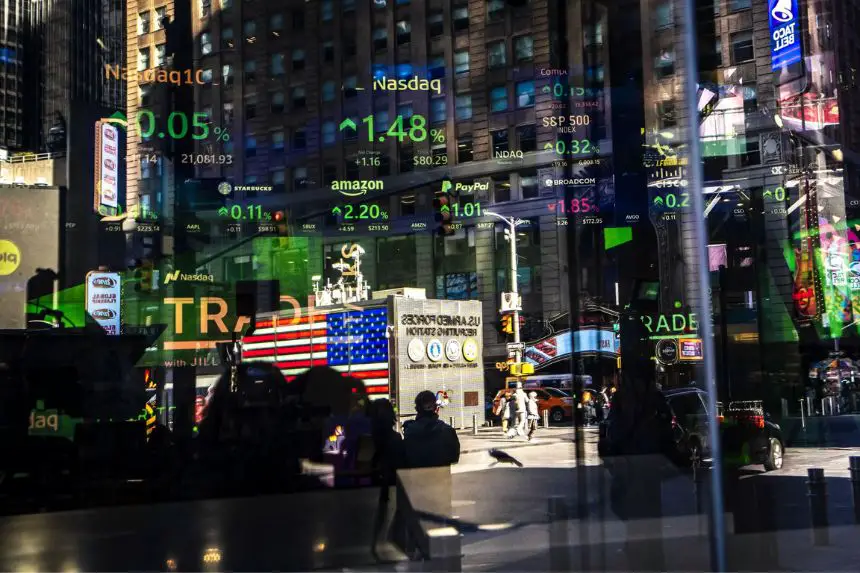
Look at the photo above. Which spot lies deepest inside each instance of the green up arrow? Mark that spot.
(336, 210)
(347, 123)
(658, 200)
(444, 209)
(548, 146)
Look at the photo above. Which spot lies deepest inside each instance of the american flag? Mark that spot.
(352, 342)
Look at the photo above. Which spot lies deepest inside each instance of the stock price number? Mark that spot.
(472, 209)
(575, 147)
(351, 212)
(583, 205)
(430, 160)
(672, 201)
(200, 159)
(177, 125)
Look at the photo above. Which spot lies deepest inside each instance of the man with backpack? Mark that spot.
(427, 440)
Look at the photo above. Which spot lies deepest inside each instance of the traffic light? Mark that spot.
(144, 273)
(279, 218)
(442, 214)
(507, 324)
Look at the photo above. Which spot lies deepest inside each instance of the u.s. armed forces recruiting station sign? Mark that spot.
(439, 347)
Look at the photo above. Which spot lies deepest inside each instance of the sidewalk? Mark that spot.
(489, 438)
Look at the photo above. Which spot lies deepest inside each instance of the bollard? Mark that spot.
(546, 418)
(817, 492)
(451, 421)
(802, 416)
(854, 468)
(784, 404)
(474, 424)
(810, 411)
(559, 553)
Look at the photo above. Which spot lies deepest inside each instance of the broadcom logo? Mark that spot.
(10, 257)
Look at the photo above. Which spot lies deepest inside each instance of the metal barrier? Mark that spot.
(854, 468)
(816, 491)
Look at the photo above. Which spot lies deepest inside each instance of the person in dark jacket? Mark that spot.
(427, 440)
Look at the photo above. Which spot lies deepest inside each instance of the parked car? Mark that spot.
(748, 435)
(557, 402)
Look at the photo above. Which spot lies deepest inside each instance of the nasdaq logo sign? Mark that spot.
(785, 46)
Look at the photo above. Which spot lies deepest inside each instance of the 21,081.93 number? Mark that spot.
(201, 159)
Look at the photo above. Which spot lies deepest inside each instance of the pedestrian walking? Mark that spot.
(504, 411)
(427, 440)
(533, 414)
(520, 401)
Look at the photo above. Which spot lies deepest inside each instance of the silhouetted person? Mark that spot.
(388, 456)
(428, 441)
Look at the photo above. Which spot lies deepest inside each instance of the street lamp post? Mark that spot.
(512, 223)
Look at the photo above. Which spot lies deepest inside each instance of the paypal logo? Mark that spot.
(782, 11)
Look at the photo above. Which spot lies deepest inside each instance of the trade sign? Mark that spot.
(785, 47)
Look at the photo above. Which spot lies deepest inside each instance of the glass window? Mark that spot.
(742, 47)
(404, 110)
(328, 91)
(250, 146)
(347, 5)
(143, 59)
(278, 177)
(735, 5)
(438, 110)
(460, 18)
(249, 29)
(227, 75)
(278, 102)
(329, 133)
(276, 22)
(435, 24)
(327, 10)
(499, 140)
(350, 83)
(404, 32)
(228, 112)
(501, 188)
(527, 136)
(663, 15)
(227, 37)
(464, 148)
(593, 35)
(298, 59)
(250, 71)
(160, 15)
(298, 97)
(329, 174)
(206, 76)
(300, 140)
(205, 8)
(251, 107)
(328, 52)
(278, 140)
(300, 178)
(525, 94)
(277, 64)
(225, 4)
(463, 107)
(436, 66)
(298, 18)
(498, 99)
(380, 39)
(529, 184)
(524, 48)
(143, 23)
(461, 62)
(496, 54)
(495, 10)
(664, 63)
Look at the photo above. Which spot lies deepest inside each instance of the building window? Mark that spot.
(327, 10)
(298, 18)
(380, 39)
(664, 63)
(205, 43)
(529, 184)
(298, 59)
(349, 48)
(249, 28)
(718, 51)
(525, 94)
(227, 75)
(593, 35)
(663, 15)
(407, 159)
(404, 110)
(437, 152)
(160, 54)
(496, 57)
(278, 140)
(463, 107)
(594, 74)
(742, 47)
(438, 110)
(527, 137)
(347, 6)
(498, 99)
(495, 10)
(251, 107)
(226, 4)
(250, 146)
(735, 5)
(380, 119)
(276, 23)
(143, 59)
(524, 49)
(464, 148)
(328, 91)
(250, 71)
(404, 32)
(499, 141)
(461, 62)
(352, 171)
(278, 102)
(277, 65)
(351, 135)
(145, 91)
(460, 18)
(228, 112)
(750, 98)
(300, 139)
(436, 24)
(227, 37)
(278, 179)
(300, 178)
(329, 132)
(328, 52)
(143, 23)
(329, 174)
(666, 114)
(350, 83)
(299, 97)
(436, 68)
(384, 167)
(160, 15)
(501, 189)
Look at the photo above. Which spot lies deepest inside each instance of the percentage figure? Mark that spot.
(221, 134)
(438, 135)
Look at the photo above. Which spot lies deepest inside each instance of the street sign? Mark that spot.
(666, 351)
(514, 347)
